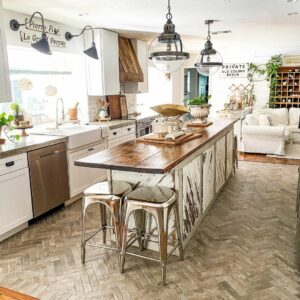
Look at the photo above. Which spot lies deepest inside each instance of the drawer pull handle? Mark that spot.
(10, 164)
(114, 133)
(128, 129)
(90, 149)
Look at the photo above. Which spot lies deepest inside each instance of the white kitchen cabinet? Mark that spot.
(103, 74)
(121, 135)
(141, 50)
(5, 92)
(80, 177)
(15, 195)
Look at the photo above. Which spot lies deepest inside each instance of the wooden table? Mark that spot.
(198, 169)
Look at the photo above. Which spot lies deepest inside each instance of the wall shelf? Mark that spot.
(287, 92)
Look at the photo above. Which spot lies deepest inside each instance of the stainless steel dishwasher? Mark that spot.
(48, 177)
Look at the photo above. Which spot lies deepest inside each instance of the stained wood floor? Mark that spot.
(248, 247)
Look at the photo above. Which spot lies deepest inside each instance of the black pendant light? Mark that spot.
(166, 51)
(92, 51)
(210, 60)
(42, 45)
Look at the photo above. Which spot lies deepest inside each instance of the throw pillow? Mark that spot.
(264, 120)
(251, 120)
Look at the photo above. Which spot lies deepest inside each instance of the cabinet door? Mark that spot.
(5, 93)
(15, 200)
(103, 74)
(220, 163)
(82, 177)
(229, 154)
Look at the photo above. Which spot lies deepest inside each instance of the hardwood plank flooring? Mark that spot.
(247, 247)
(263, 158)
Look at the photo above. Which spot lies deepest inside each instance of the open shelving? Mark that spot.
(287, 91)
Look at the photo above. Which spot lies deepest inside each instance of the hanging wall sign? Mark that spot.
(234, 71)
(31, 33)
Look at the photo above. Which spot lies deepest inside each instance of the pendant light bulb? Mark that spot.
(167, 51)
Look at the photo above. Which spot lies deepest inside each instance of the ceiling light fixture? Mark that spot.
(291, 1)
(92, 51)
(84, 14)
(210, 60)
(42, 45)
(293, 13)
(166, 50)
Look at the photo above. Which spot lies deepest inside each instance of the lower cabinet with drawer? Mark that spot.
(15, 195)
(121, 135)
(80, 178)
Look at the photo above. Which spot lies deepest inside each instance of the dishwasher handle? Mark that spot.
(54, 152)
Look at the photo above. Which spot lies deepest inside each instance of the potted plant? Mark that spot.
(199, 108)
(5, 124)
(15, 107)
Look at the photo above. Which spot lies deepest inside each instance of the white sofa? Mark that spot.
(267, 130)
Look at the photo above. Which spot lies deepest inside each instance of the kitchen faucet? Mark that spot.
(62, 112)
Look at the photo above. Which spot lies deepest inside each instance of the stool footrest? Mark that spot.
(99, 230)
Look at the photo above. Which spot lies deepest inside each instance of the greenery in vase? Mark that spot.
(5, 124)
(200, 100)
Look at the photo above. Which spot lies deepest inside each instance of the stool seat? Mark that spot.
(119, 188)
(153, 194)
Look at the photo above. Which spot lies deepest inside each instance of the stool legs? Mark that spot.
(162, 222)
(177, 223)
(139, 219)
(83, 215)
(103, 222)
(161, 216)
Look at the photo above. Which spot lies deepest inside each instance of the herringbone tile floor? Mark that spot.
(248, 247)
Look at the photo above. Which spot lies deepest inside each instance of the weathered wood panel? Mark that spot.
(229, 153)
(208, 177)
(220, 163)
(191, 194)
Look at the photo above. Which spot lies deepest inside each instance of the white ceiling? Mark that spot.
(258, 26)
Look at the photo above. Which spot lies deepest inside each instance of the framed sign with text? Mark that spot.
(234, 70)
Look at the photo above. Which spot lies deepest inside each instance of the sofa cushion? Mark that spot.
(279, 116)
(294, 115)
(251, 120)
(264, 120)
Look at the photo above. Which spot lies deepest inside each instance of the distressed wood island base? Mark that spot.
(197, 170)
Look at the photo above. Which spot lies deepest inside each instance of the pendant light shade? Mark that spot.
(92, 51)
(210, 60)
(166, 51)
(42, 45)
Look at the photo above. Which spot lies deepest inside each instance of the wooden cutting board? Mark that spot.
(155, 138)
(114, 108)
(198, 125)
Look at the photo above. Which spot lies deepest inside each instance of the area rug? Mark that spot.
(292, 151)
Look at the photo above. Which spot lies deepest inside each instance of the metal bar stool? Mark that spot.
(159, 202)
(101, 193)
(298, 196)
(235, 154)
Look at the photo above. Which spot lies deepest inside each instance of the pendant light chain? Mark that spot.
(208, 36)
(169, 15)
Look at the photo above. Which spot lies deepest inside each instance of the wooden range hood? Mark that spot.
(130, 69)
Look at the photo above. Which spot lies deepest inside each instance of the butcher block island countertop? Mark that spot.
(197, 170)
(136, 156)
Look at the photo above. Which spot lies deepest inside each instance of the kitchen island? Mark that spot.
(197, 170)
